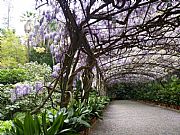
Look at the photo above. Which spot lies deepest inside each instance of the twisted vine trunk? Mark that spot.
(88, 78)
(78, 40)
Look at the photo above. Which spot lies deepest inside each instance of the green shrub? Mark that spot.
(36, 71)
(168, 92)
(9, 107)
(97, 104)
(5, 126)
(12, 51)
(64, 121)
(41, 56)
(5, 100)
(34, 125)
(12, 76)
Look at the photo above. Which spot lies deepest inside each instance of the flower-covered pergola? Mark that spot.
(112, 41)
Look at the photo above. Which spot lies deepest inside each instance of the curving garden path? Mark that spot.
(123, 117)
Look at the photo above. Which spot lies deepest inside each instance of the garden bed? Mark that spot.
(87, 130)
(93, 123)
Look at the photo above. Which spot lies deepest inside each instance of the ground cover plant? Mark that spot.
(71, 120)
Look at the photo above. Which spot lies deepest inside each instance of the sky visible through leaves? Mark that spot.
(17, 8)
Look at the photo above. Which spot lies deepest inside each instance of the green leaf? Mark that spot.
(18, 126)
(37, 126)
(70, 112)
(29, 127)
(18, 123)
(44, 125)
(65, 130)
(57, 124)
(83, 122)
(19, 131)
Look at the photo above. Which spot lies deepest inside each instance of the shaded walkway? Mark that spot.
(125, 117)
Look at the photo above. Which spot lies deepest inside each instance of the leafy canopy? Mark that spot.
(12, 51)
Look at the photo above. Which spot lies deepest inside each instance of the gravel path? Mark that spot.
(124, 117)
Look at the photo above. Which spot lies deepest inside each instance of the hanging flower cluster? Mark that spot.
(21, 90)
(112, 29)
(56, 69)
(50, 31)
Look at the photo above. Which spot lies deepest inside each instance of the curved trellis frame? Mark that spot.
(123, 39)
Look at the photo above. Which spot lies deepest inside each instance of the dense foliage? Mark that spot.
(71, 120)
(37, 72)
(41, 55)
(12, 52)
(168, 91)
(12, 76)
(25, 94)
(5, 126)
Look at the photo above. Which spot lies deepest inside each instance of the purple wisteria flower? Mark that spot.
(47, 36)
(13, 95)
(31, 35)
(56, 69)
(48, 15)
(38, 86)
(41, 21)
(54, 74)
(20, 90)
(55, 42)
(52, 49)
(56, 10)
(57, 38)
(54, 34)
